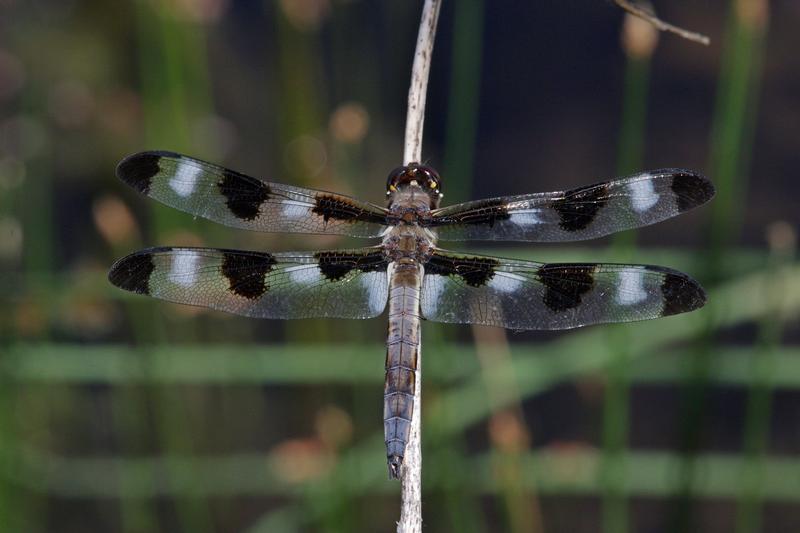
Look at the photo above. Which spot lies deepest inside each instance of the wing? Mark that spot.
(577, 214)
(336, 284)
(237, 200)
(523, 295)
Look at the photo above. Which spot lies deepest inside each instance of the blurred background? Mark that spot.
(120, 413)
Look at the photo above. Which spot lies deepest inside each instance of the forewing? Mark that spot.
(577, 214)
(241, 201)
(523, 295)
(335, 284)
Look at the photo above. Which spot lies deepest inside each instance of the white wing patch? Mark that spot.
(185, 179)
(631, 290)
(506, 282)
(525, 219)
(304, 274)
(432, 288)
(184, 268)
(373, 282)
(643, 194)
(293, 210)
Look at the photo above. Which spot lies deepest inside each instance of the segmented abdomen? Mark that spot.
(401, 361)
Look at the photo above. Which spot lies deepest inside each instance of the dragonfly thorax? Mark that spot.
(408, 243)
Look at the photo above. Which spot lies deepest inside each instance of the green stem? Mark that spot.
(759, 403)
(463, 102)
(731, 146)
(176, 90)
(617, 396)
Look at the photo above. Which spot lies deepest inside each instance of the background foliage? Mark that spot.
(118, 413)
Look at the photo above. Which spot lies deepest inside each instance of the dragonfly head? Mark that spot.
(416, 175)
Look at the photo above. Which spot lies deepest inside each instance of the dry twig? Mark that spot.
(417, 93)
(411, 480)
(643, 14)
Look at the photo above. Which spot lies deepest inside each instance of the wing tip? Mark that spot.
(692, 189)
(137, 170)
(132, 272)
(682, 294)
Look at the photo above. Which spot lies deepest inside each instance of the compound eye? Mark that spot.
(394, 175)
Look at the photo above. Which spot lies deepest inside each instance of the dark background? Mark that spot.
(119, 413)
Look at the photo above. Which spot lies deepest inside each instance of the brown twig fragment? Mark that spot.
(643, 14)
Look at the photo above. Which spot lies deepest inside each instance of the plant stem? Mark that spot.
(411, 480)
(417, 93)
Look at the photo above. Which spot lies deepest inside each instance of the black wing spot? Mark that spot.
(691, 190)
(338, 208)
(329, 207)
(247, 273)
(475, 271)
(565, 284)
(132, 273)
(243, 194)
(336, 265)
(681, 294)
(138, 170)
(579, 207)
(487, 212)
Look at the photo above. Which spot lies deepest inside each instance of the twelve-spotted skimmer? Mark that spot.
(417, 278)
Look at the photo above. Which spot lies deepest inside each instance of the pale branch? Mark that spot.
(411, 476)
(417, 93)
(643, 14)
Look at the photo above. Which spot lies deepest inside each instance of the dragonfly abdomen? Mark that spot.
(402, 345)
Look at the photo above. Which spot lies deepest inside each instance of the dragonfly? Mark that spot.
(407, 269)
